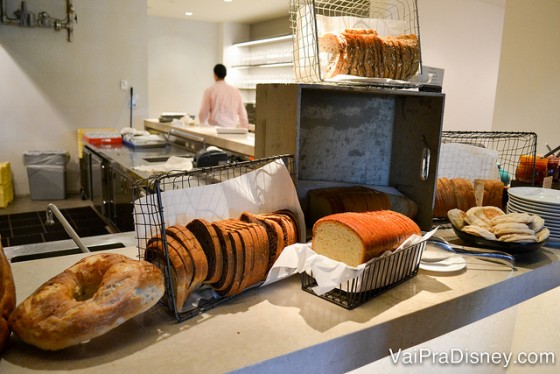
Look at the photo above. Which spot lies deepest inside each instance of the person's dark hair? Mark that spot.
(220, 71)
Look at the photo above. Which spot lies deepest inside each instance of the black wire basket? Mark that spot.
(306, 21)
(510, 146)
(379, 275)
(150, 221)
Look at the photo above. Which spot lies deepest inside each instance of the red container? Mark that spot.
(102, 138)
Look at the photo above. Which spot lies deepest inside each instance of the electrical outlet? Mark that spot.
(124, 84)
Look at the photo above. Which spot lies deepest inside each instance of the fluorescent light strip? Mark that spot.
(261, 41)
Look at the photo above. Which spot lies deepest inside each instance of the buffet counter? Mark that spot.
(280, 328)
(242, 144)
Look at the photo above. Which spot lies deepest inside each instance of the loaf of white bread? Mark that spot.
(355, 238)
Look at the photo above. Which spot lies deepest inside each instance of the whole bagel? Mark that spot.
(88, 299)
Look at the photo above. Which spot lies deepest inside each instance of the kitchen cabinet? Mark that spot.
(355, 134)
(95, 180)
(109, 187)
(120, 203)
(96, 177)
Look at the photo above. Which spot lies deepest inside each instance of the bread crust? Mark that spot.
(229, 258)
(479, 231)
(362, 52)
(181, 266)
(377, 232)
(275, 235)
(210, 243)
(88, 299)
(7, 298)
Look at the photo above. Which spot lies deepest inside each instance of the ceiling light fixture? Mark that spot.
(261, 41)
(188, 13)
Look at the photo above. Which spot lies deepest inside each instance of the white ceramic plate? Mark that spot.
(452, 264)
(546, 209)
(536, 194)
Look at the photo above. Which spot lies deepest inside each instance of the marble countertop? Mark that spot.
(280, 328)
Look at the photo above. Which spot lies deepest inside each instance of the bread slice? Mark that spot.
(206, 235)
(229, 259)
(182, 268)
(274, 234)
(193, 248)
(355, 238)
(293, 221)
(463, 191)
(289, 229)
(232, 288)
(261, 257)
(248, 243)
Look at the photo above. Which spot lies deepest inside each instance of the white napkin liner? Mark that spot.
(328, 273)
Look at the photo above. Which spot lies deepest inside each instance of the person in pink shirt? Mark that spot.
(222, 104)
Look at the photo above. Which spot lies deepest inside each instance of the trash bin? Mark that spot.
(46, 171)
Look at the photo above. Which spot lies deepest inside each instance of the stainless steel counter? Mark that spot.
(128, 158)
(125, 239)
(241, 144)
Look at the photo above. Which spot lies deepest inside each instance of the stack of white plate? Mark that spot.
(542, 201)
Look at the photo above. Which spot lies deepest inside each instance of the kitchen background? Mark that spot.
(498, 58)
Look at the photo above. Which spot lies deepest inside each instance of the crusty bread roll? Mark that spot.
(93, 296)
(7, 298)
(490, 222)
(355, 238)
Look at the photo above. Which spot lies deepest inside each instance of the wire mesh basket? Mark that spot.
(380, 275)
(375, 56)
(511, 146)
(150, 221)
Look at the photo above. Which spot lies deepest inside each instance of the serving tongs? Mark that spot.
(485, 254)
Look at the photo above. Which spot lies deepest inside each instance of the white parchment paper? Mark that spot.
(264, 190)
